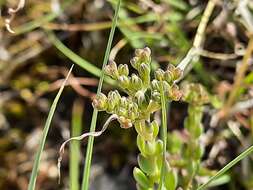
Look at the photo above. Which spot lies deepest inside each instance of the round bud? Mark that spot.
(100, 102)
(159, 74)
(123, 69)
(111, 69)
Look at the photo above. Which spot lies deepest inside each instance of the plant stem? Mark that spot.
(164, 137)
(244, 154)
(86, 174)
(77, 114)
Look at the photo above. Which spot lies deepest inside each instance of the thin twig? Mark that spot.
(193, 53)
(203, 23)
(220, 56)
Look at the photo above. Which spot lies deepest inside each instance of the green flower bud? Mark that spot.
(175, 73)
(111, 69)
(144, 71)
(133, 112)
(123, 69)
(124, 102)
(135, 62)
(113, 100)
(121, 111)
(141, 178)
(144, 54)
(136, 82)
(147, 164)
(100, 102)
(141, 99)
(156, 96)
(114, 95)
(147, 52)
(124, 82)
(155, 85)
(159, 74)
(168, 76)
(138, 52)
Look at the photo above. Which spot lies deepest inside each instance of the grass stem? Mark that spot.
(86, 174)
(164, 137)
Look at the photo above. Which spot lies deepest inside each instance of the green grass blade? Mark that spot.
(77, 114)
(36, 164)
(244, 154)
(86, 174)
(76, 58)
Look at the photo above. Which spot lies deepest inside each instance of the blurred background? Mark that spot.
(51, 35)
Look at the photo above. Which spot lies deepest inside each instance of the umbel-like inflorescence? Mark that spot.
(137, 108)
(144, 96)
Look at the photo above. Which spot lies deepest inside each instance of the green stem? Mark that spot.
(77, 114)
(86, 174)
(164, 137)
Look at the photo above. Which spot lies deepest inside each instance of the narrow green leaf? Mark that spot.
(76, 58)
(164, 137)
(36, 164)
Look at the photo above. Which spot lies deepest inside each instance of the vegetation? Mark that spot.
(184, 100)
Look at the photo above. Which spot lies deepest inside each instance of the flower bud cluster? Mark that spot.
(142, 100)
(126, 110)
(166, 80)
